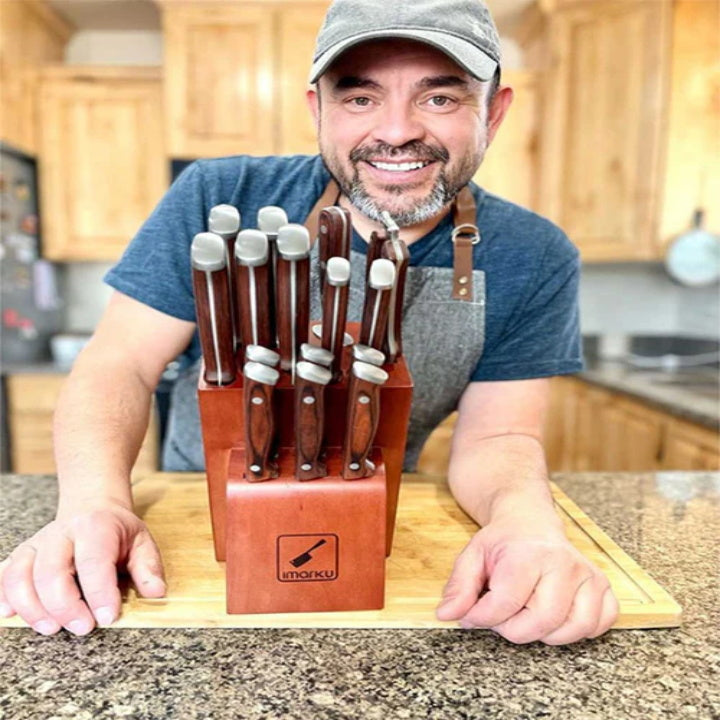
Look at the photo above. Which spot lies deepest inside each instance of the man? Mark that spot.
(406, 101)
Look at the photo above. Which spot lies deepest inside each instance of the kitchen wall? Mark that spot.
(616, 299)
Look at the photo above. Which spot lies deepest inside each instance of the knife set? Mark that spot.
(304, 424)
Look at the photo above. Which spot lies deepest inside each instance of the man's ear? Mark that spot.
(313, 101)
(498, 108)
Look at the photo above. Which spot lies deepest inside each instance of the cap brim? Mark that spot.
(470, 58)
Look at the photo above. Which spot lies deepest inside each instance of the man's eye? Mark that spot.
(360, 101)
(440, 101)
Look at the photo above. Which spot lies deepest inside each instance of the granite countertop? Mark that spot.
(692, 394)
(669, 522)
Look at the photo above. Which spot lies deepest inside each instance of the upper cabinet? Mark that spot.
(103, 166)
(630, 122)
(235, 76)
(30, 35)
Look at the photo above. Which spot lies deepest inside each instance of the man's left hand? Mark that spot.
(524, 580)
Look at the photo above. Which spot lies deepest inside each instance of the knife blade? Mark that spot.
(395, 250)
(212, 305)
(252, 271)
(258, 389)
(334, 236)
(363, 415)
(270, 219)
(224, 220)
(377, 303)
(310, 420)
(293, 278)
(335, 293)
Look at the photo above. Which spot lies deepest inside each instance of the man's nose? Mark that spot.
(398, 124)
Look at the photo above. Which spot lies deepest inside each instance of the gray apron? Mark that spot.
(443, 341)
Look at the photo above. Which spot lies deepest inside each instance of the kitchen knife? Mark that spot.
(335, 293)
(334, 236)
(212, 305)
(317, 332)
(306, 557)
(377, 303)
(224, 220)
(258, 388)
(257, 353)
(293, 293)
(395, 250)
(315, 354)
(368, 355)
(363, 414)
(252, 271)
(310, 420)
(374, 250)
(270, 219)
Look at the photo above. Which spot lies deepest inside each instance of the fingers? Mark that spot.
(20, 594)
(6, 610)
(608, 615)
(464, 586)
(511, 586)
(145, 566)
(54, 579)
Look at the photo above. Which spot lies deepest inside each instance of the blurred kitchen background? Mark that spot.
(614, 134)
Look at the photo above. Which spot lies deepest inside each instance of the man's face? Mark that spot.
(401, 127)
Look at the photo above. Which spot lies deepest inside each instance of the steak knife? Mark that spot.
(310, 420)
(335, 292)
(251, 256)
(266, 356)
(395, 250)
(258, 389)
(212, 306)
(377, 303)
(363, 415)
(293, 296)
(334, 236)
(224, 220)
(270, 219)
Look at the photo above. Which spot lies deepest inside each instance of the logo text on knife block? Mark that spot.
(307, 558)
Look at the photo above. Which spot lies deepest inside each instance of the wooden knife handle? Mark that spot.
(309, 429)
(334, 236)
(293, 311)
(375, 316)
(374, 250)
(253, 302)
(363, 414)
(396, 251)
(259, 430)
(334, 317)
(214, 318)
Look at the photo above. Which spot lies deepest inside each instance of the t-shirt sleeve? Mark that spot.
(155, 267)
(542, 337)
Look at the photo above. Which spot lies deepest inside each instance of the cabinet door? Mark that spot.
(219, 79)
(102, 162)
(31, 404)
(298, 28)
(690, 447)
(603, 118)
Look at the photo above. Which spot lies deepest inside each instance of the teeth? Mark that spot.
(398, 167)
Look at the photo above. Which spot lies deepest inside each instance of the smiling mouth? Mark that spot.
(399, 166)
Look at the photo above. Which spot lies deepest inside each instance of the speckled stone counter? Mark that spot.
(669, 522)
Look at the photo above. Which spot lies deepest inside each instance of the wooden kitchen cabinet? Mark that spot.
(31, 402)
(103, 166)
(690, 447)
(31, 34)
(630, 127)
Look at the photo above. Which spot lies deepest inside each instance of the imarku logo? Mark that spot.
(307, 558)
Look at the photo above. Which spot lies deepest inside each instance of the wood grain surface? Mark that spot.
(430, 532)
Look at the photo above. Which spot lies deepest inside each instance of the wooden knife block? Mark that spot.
(233, 499)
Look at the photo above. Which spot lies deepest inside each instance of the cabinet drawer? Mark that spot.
(33, 393)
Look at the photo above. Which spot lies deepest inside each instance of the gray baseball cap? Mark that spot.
(462, 29)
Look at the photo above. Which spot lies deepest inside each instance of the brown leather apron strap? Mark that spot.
(329, 197)
(465, 234)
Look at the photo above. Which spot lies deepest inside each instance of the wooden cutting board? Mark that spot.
(430, 532)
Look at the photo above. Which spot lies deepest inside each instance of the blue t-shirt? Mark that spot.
(531, 268)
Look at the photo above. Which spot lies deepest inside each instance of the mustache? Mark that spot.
(417, 150)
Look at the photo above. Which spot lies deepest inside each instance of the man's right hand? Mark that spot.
(66, 575)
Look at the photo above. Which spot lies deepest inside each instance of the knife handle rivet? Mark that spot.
(255, 468)
(306, 466)
(354, 466)
(323, 228)
(462, 291)
(308, 400)
(463, 280)
(257, 401)
(363, 399)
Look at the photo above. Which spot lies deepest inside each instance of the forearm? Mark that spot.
(99, 425)
(505, 475)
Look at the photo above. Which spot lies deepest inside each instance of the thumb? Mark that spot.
(464, 586)
(145, 566)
